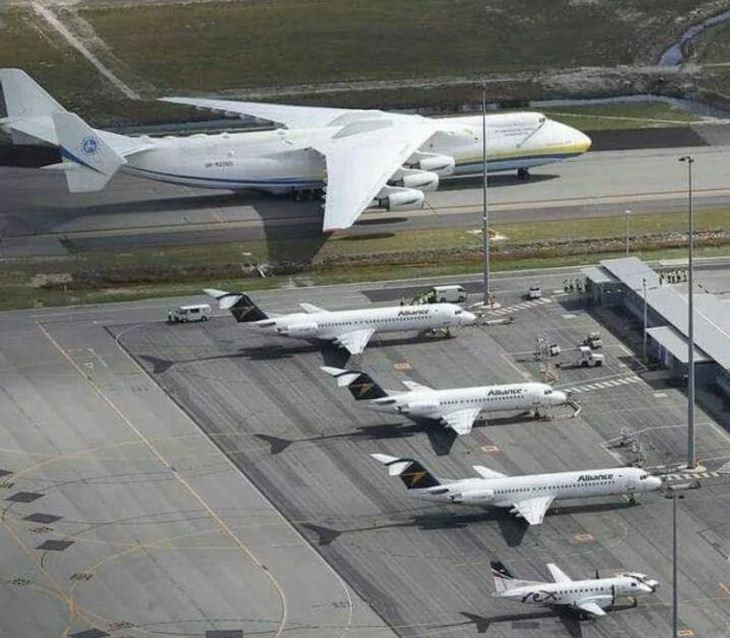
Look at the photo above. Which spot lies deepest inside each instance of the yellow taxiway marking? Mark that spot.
(183, 482)
(489, 449)
(403, 365)
(685, 633)
(584, 538)
(725, 588)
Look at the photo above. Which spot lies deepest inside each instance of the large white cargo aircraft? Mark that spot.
(355, 158)
(588, 597)
(528, 496)
(456, 408)
(349, 329)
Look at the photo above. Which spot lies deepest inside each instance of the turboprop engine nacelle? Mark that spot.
(395, 198)
(420, 408)
(476, 496)
(302, 330)
(433, 162)
(411, 178)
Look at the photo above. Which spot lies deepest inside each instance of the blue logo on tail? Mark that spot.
(90, 145)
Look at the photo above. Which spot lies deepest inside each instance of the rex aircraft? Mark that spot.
(354, 159)
(457, 408)
(528, 496)
(349, 329)
(587, 597)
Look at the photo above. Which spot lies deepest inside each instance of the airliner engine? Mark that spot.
(301, 330)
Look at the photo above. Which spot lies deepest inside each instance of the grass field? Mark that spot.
(625, 115)
(27, 43)
(229, 45)
(98, 277)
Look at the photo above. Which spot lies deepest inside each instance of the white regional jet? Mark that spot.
(356, 158)
(457, 408)
(589, 597)
(349, 329)
(528, 496)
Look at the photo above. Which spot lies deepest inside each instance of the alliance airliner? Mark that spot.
(353, 159)
(528, 496)
(457, 408)
(349, 329)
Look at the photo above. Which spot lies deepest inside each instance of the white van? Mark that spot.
(183, 314)
(449, 294)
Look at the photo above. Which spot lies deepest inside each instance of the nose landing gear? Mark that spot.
(523, 174)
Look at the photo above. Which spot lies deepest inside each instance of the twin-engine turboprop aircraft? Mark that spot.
(589, 597)
(528, 496)
(354, 158)
(349, 329)
(457, 408)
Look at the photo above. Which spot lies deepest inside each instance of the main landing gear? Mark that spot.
(523, 173)
(306, 194)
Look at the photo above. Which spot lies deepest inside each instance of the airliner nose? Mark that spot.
(468, 318)
(560, 398)
(654, 482)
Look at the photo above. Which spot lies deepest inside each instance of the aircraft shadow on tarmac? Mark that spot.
(513, 529)
(569, 618)
(440, 437)
(494, 181)
(331, 356)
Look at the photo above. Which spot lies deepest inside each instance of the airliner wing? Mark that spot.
(461, 421)
(355, 341)
(359, 165)
(590, 607)
(289, 116)
(559, 576)
(414, 385)
(533, 509)
(311, 308)
(486, 473)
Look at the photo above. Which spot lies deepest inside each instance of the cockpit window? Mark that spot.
(548, 391)
(458, 312)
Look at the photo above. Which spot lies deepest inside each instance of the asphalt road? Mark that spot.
(38, 216)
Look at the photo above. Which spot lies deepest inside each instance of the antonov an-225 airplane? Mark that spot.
(349, 329)
(528, 496)
(456, 408)
(355, 158)
(587, 597)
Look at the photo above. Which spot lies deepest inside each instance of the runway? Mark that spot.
(39, 217)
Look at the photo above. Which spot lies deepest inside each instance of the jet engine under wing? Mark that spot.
(461, 421)
(356, 341)
(289, 116)
(359, 165)
(590, 607)
(533, 510)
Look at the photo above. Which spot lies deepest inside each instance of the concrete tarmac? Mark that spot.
(121, 518)
(425, 568)
(39, 216)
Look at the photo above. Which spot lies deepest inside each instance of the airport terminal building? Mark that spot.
(632, 284)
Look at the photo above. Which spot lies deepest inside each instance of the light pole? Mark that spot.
(673, 492)
(691, 460)
(627, 215)
(643, 288)
(485, 197)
